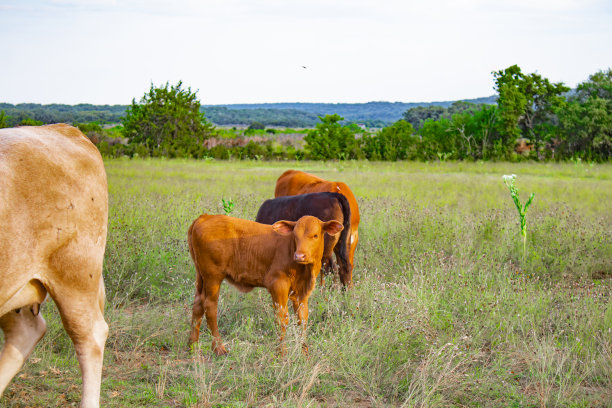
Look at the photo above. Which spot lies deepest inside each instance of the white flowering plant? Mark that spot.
(522, 210)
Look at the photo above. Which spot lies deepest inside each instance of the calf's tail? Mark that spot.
(199, 280)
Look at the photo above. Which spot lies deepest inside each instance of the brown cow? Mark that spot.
(324, 206)
(294, 182)
(53, 207)
(284, 258)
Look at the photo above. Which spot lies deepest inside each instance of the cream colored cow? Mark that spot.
(53, 217)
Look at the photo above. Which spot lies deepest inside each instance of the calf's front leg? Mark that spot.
(301, 310)
(280, 296)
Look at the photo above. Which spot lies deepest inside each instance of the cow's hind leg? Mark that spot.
(327, 267)
(347, 279)
(345, 270)
(22, 328)
(210, 309)
(197, 310)
(83, 318)
(205, 303)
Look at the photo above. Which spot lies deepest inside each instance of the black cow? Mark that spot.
(326, 207)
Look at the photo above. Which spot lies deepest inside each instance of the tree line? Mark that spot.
(371, 114)
(532, 119)
(58, 113)
(300, 115)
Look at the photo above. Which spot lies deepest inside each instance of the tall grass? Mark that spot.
(441, 313)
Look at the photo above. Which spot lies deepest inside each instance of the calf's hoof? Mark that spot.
(347, 285)
(192, 345)
(219, 349)
(194, 336)
(281, 350)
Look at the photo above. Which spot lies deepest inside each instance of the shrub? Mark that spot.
(331, 140)
(168, 119)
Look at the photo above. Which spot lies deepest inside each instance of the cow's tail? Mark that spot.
(342, 253)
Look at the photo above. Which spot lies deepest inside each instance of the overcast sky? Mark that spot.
(250, 51)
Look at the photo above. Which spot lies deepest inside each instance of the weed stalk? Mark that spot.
(228, 205)
(522, 210)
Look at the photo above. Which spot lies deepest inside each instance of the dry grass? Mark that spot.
(443, 312)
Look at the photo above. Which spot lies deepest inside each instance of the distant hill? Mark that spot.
(284, 117)
(58, 113)
(374, 114)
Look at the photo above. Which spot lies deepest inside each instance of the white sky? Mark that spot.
(250, 51)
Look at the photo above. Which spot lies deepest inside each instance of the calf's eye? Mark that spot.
(316, 236)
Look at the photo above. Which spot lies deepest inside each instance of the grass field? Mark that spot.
(444, 311)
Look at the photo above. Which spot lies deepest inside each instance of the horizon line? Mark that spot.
(255, 103)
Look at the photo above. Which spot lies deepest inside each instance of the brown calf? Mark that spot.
(294, 182)
(284, 258)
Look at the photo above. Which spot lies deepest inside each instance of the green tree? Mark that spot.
(92, 130)
(436, 140)
(168, 121)
(462, 107)
(31, 122)
(418, 115)
(586, 119)
(472, 134)
(395, 142)
(331, 140)
(483, 128)
(256, 126)
(460, 134)
(4, 119)
(527, 104)
(599, 85)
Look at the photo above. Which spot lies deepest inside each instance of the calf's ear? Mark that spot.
(332, 227)
(283, 227)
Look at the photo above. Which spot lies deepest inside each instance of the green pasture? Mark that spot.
(444, 311)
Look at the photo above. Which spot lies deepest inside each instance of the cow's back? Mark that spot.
(53, 206)
(325, 206)
(294, 182)
(242, 249)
